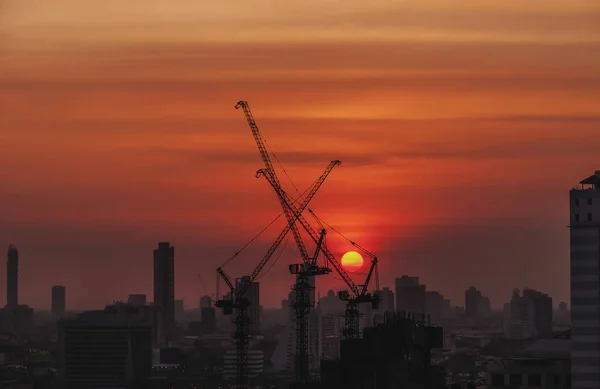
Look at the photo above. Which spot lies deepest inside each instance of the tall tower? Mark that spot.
(584, 226)
(253, 295)
(59, 300)
(12, 277)
(164, 287)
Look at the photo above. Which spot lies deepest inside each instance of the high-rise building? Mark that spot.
(137, 300)
(164, 287)
(111, 348)
(435, 305)
(59, 300)
(410, 295)
(584, 202)
(529, 315)
(208, 323)
(179, 310)
(205, 302)
(12, 277)
(253, 296)
(387, 300)
(477, 306)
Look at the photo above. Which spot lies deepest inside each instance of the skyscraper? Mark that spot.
(12, 277)
(164, 287)
(584, 202)
(410, 295)
(59, 300)
(387, 300)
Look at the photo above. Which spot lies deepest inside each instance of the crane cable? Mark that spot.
(264, 273)
(237, 253)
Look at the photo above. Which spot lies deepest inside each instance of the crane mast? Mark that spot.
(357, 295)
(303, 302)
(238, 300)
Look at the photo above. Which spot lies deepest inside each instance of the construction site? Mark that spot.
(395, 352)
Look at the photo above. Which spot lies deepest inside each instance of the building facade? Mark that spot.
(59, 300)
(584, 202)
(410, 295)
(111, 348)
(164, 287)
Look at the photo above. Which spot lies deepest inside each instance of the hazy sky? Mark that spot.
(461, 125)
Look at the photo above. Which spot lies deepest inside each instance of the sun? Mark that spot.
(352, 261)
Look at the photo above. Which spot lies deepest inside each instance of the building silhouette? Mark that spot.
(410, 295)
(387, 300)
(110, 348)
(205, 302)
(530, 315)
(59, 300)
(138, 300)
(164, 288)
(584, 202)
(477, 306)
(12, 277)
(252, 293)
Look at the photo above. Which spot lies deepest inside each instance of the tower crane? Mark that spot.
(240, 302)
(356, 295)
(304, 271)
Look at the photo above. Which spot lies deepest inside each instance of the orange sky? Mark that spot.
(461, 126)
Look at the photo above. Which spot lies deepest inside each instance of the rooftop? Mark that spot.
(592, 182)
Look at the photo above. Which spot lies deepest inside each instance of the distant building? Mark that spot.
(205, 302)
(17, 320)
(59, 300)
(530, 315)
(435, 305)
(255, 366)
(410, 295)
(164, 287)
(111, 348)
(253, 295)
(208, 320)
(12, 277)
(179, 310)
(477, 306)
(387, 300)
(138, 300)
(584, 202)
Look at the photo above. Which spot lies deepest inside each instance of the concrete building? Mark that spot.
(110, 348)
(138, 300)
(410, 295)
(12, 277)
(544, 364)
(584, 200)
(435, 305)
(164, 287)
(253, 295)
(529, 315)
(387, 303)
(59, 300)
(17, 320)
(205, 302)
(477, 306)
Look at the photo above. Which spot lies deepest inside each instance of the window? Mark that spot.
(497, 379)
(576, 217)
(534, 380)
(576, 201)
(589, 217)
(589, 201)
(516, 380)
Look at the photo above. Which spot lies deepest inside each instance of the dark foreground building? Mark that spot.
(393, 354)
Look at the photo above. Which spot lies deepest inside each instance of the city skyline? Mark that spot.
(461, 128)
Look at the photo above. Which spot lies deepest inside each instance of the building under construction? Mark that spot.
(392, 354)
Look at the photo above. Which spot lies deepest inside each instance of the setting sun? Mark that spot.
(352, 261)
